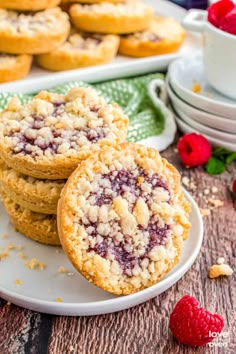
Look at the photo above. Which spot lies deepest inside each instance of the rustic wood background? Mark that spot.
(143, 329)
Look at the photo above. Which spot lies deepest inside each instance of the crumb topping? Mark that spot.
(33, 22)
(120, 9)
(125, 213)
(53, 124)
(159, 29)
(83, 41)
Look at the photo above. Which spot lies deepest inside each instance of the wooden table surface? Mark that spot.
(144, 328)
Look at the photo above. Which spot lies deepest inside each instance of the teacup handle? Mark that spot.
(195, 20)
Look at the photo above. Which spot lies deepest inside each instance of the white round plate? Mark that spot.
(187, 128)
(184, 73)
(213, 121)
(231, 138)
(40, 288)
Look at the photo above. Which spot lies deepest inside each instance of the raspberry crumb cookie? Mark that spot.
(48, 136)
(14, 67)
(164, 35)
(122, 218)
(106, 17)
(38, 195)
(38, 227)
(81, 50)
(33, 33)
(28, 5)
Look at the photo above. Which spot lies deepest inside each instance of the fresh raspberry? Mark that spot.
(193, 325)
(234, 186)
(218, 10)
(194, 149)
(228, 22)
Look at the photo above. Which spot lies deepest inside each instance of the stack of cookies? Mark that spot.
(122, 217)
(41, 143)
(99, 29)
(41, 28)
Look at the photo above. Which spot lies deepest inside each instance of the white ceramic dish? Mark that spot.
(187, 128)
(219, 52)
(40, 288)
(183, 73)
(213, 121)
(40, 79)
(231, 138)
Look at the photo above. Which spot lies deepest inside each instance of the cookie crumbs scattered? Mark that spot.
(61, 269)
(4, 236)
(59, 299)
(205, 212)
(214, 189)
(18, 281)
(19, 248)
(196, 87)
(22, 255)
(206, 191)
(216, 203)
(219, 269)
(34, 264)
(71, 348)
(220, 260)
(70, 274)
(189, 183)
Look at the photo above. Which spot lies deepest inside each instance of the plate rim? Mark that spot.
(63, 308)
(195, 110)
(214, 141)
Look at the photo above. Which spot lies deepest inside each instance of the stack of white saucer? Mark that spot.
(198, 107)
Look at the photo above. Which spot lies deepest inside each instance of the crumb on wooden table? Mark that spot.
(216, 203)
(216, 270)
(205, 212)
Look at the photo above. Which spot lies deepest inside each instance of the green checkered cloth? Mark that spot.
(145, 118)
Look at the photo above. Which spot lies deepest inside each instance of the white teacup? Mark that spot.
(219, 52)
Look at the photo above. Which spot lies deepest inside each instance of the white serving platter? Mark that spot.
(122, 66)
(40, 288)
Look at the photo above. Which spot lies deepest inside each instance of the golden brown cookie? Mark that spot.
(122, 218)
(111, 18)
(38, 227)
(28, 5)
(91, 1)
(38, 195)
(14, 67)
(81, 50)
(165, 35)
(33, 33)
(47, 137)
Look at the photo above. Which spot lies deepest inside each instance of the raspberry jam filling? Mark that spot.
(41, 138)
(124, 248)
